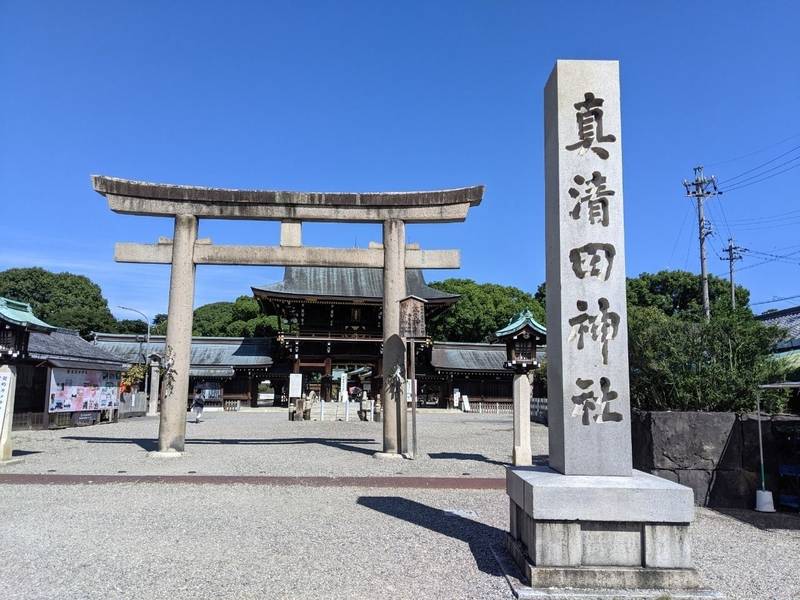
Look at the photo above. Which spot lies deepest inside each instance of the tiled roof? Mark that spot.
(206, 351)
(456, 356)
(346, 283)
(515, 324)
(788, 319)
(20, 313)
(66, 345)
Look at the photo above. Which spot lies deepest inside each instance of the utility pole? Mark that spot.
(700, 189)
(734, 254)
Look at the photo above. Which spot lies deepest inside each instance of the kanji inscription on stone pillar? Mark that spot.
(587, 342)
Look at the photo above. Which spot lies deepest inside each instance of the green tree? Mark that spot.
(60, 299)
(131, 326)
(482, 309)
(679, 362)
(241, 318)
(675, 292)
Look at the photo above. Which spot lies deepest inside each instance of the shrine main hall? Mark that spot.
(329, 323)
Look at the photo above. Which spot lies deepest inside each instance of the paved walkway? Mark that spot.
(264, 508)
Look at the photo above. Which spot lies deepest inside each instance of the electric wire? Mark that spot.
(744, 185)
(757, 167)
(753, 153)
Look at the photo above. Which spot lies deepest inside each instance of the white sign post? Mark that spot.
(295, 385)
(8, 384)
(344, 395)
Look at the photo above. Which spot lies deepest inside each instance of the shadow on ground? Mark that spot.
(151, 445)
(16, 452)
(478, 536)
(765, 521)
(538, 459)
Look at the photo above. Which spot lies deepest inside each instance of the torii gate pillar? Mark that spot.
(395, 441)
(172, 427)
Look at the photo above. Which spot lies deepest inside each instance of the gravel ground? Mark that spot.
(267, 443)
(243, 541)
(256, 541)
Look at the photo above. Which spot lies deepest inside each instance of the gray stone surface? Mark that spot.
(587, 341)
(291, 233)
(394, 347)
(172, 429)
(289, 256)
(693, 440)
(247, 541)
(667, 546)
(7, 398)
(557, 543)
(142, 198)
(611, 544)
(642, 497)
(522, 420)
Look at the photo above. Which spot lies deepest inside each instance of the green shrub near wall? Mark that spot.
(682, 362)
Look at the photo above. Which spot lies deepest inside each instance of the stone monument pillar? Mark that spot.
(8, 388)
(155, 386)
(522, 420)
(172, 429)
(589, 521)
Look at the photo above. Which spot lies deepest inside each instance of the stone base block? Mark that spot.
(387, 455)
(165, 454)
(528, 581)
(602, 533)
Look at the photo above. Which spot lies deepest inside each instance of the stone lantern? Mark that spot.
(522, 336)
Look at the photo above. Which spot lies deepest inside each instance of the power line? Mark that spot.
(764, 164)
(738, 187)
(680, 233)
(753, 153)
(774, 300)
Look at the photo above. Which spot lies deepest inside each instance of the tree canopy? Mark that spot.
(241, 318)
(679, 362)
(678, 292)
(482, 309)
(60, 299)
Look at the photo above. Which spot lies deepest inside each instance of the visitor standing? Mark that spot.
(197, 405)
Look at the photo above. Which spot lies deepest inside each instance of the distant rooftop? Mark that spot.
(346, 283)
(789, 320)
(66, 348)
(207, 352)
(21, 314)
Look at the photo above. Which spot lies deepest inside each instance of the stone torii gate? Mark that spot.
(187, 204)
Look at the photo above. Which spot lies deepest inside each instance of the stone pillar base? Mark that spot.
(165, 454)
(387, 455)
(602, 533)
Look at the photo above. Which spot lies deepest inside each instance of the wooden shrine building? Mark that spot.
(330, 322)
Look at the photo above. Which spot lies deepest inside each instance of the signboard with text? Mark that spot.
(83, 389)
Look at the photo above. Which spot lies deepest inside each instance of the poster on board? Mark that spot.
(295, 385)
(83, 389)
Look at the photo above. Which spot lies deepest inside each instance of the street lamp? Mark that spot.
(147, 352)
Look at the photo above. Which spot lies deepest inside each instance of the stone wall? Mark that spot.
(716, 454)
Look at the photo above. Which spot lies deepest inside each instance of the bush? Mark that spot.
(682, 362)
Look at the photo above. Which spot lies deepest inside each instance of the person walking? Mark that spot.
(197, 405)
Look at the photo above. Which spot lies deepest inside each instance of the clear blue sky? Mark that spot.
(362, 96)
